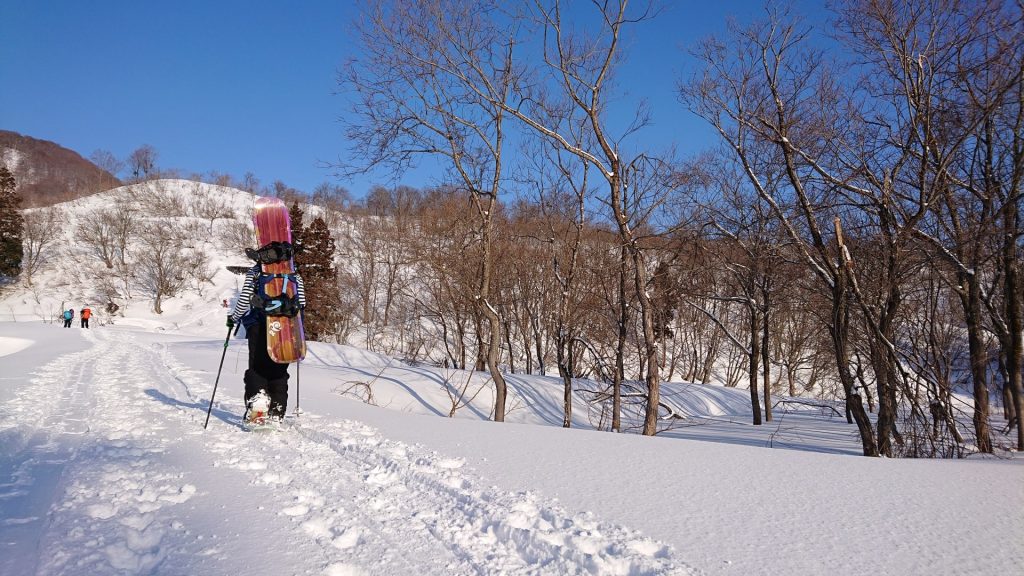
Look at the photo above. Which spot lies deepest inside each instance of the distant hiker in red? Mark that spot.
(69, 315)
(263, 375)
(86, 314)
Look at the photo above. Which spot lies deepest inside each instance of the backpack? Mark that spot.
(261, 305)
(68, 314)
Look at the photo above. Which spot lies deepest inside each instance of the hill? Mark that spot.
(47, 173)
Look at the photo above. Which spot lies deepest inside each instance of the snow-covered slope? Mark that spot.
(71, 275)
(105, 468)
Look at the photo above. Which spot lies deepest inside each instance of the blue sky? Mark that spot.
(240, 86)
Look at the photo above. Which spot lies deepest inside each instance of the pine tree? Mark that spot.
(298, 230)
(323, 303)
(11, 226)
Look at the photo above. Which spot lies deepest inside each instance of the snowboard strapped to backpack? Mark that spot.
(276, 288)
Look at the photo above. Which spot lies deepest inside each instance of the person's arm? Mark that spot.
(244, 297)
(300, 291)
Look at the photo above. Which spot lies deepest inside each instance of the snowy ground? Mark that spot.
(105, 469)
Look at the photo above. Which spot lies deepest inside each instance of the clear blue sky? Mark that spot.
(238, 86)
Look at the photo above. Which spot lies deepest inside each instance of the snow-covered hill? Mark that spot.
(72, 275)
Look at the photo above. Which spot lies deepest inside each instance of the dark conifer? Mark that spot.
(295, 215)
(11, 226)
(320, 276)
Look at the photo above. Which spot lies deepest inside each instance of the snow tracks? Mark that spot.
(143, 489)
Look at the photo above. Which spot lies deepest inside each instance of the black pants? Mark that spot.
(264, 373)
(85, 322)
(67, 323)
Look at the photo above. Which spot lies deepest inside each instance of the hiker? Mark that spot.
(86, 314)
(263, 374)
(69, 315)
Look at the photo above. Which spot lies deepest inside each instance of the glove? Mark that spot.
(230, 322)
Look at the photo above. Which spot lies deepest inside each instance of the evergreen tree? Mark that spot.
(314, 260)
(11, 226)
(295, 217)
(323, 303)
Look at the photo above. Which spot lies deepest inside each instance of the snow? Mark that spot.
(105, 468)
(12, 345)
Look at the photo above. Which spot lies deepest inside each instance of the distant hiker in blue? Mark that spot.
(69, 315)
(263, 374)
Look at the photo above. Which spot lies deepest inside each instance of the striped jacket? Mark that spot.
(242, 304)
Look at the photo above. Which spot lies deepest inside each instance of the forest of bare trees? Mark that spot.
(855, 236)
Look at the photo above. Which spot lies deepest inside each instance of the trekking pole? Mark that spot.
(219, 368)
(297, 381)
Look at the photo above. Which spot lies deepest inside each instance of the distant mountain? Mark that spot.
(47, 173)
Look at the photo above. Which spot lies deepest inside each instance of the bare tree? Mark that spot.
(142, 162)
(39, 233)
(237, 236)
(208, 205)
(96, 232)
(741, 94)
(417, 85)
(162, 268)
(107, 161)
(576, 78)
(250, 183)
(563, 189)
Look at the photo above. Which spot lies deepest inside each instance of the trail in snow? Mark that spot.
(111, 472)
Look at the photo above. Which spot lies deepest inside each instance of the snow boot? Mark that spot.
(257, 409)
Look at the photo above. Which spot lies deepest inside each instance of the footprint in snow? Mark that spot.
(380, 476)
(349, 538)
(339, 569)
(297, 510)
(450, 463)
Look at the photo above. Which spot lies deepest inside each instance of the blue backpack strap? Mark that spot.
(281, 305)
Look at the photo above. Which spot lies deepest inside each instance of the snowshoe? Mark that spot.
(257, 411)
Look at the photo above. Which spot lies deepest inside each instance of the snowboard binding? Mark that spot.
(271, 253)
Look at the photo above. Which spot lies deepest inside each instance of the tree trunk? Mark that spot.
(886, 399)
(766, 366)
(563, 359)
(493, 352)
(1014, 316)
(481, 348)
(839, 329)
(754, 356)
(494, 323)
(978, 358)
(620, 345)
(650, 344)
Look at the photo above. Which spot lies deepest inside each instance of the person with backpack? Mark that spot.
(85, 315)
(263, 375)
(69, 315)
